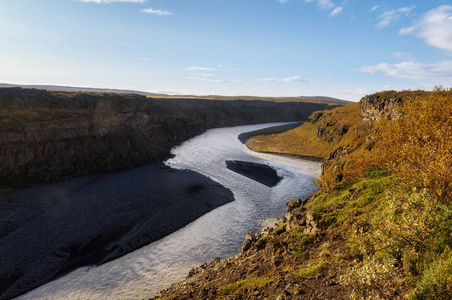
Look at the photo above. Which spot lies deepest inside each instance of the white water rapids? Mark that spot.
(220, 233)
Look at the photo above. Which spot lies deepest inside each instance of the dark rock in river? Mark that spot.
(258, 172)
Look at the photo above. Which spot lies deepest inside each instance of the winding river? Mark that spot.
(220, 233)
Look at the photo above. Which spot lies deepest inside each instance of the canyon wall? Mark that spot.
(48, 136)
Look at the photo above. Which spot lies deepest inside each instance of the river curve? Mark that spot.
(220, 233)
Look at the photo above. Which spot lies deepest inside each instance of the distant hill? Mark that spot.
(311, 99)
(76, 89)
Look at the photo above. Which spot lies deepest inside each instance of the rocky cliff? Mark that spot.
(50, 136)
(386, 103)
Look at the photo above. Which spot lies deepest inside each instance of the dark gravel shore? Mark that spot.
(48, 230)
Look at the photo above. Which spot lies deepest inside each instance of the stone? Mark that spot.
(373, 107)
(249, 240)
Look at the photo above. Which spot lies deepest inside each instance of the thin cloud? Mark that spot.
(323, 4)
(282, 1)
(374, 8)
(327, 5)
(215, 80)
(393, 15)
(111, 1)
(157, 12)
(286, 79)
(440, 71)
(336, 11)
(435, 28)
(402, 54)
(193, 68)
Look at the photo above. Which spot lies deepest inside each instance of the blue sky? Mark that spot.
(343, 49)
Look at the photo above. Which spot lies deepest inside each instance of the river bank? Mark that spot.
(48, 230)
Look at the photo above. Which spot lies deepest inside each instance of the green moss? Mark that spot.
(312, 270)
(263, 241)
(241, 287)
(377, 171)
(281, 228)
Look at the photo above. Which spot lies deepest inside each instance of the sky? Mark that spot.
(344, 49)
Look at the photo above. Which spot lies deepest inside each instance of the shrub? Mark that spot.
(375, 279)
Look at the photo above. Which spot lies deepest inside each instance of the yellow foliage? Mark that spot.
(375, 279)
(418, 146)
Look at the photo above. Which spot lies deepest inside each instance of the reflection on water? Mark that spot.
(219, 233)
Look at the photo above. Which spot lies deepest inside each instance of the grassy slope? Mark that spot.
(304, 140)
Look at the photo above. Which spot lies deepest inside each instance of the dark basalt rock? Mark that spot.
(258, 172)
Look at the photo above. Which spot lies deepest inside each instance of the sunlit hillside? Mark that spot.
(324, 132)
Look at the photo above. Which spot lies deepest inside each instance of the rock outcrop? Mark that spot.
(385, 104)
(374, 106)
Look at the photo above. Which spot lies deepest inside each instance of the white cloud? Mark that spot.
(286, 79)
(439, 72)
(157, 12)
(375, 7)
(435, 28)
(336, 11)
(403, 54)
(406, 30)
(111, 1)
(199, 69)
(393, 15)
(207, 75)
(216, 80)
(282, 1)
(323, 4)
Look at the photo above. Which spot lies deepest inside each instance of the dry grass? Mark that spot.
(305, 141)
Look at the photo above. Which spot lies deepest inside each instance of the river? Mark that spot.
(220, 233)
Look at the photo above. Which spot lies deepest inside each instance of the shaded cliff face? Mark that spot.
(50, 136)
